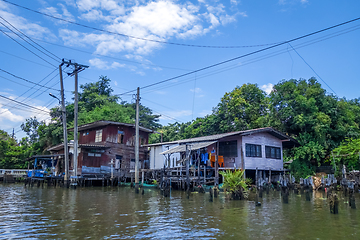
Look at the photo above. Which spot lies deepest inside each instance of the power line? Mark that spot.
(27, 48)
(257, 59)
(133, 37)
(311, 68)
(31, 88)
(25, 59)
(245, 55)
(27, 80)
(24, 104)
(30, 40)
(115, 58)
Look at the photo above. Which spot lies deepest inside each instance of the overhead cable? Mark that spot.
(24, 104)
(28, 80)
(245, 55)
(134, 37)
(26, 48)
(56, 57)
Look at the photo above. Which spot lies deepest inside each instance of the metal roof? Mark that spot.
(44, 156)
(287, 141)
(182, 148)
(104, 123)
(61, 146)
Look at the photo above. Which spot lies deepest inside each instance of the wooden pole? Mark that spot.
(66, 149)
(217, 165)
(137, 142)
(76, 121)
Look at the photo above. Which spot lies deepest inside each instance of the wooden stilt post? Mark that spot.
(217, 165)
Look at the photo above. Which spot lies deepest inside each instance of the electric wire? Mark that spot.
(246, 55)
(29, 39)
(311, 68)
(257, 59)
(28, 80)
(25, 59)
(26, 48)
(9, 99)
(30, 89)
(134, 37)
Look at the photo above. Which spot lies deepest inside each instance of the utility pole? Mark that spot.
(78, 68)
(66, 150)
(76, 122)
(13, 134)
(137, 142)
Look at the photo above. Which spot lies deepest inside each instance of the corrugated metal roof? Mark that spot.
(61, 146)
(217, 137)
(182, 148)
(104, 123)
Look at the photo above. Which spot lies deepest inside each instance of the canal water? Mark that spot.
(119, 213)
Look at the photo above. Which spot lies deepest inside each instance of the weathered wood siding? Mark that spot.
(109, 138)
(157, 160)
(263, 139)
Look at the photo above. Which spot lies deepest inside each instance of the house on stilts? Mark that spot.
(253, 150)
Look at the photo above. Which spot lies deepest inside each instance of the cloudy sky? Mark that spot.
(142, 42)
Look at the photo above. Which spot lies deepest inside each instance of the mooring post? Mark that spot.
(142, 177)
(204, 174)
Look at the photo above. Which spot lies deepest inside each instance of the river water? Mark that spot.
(119, 213)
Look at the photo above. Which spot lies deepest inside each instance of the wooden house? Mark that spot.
(255, 149)
(106, 145)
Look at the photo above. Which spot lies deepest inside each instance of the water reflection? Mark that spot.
(119, 213)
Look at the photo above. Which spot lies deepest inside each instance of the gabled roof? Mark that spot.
(287, 141)
(105, 123)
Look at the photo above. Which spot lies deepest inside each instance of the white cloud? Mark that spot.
(175, 114)
(304, 1)
(267, 87)
(234, 2)
(104, 65)
(6, 114)
(115, 83)
(196, 90)
(155, 20)
(204, 113)
(29, 28)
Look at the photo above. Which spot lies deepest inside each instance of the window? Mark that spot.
(120, 137)
(97, 154)
(228, 149)
(273, 152)
(91, 154)
(98, 136)
(253, 150)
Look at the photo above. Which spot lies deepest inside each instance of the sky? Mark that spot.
(145, 42)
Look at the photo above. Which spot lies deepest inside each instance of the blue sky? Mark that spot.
(132, 63)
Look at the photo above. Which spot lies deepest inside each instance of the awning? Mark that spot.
(192, 146)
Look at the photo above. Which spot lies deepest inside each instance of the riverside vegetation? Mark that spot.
(326, 126)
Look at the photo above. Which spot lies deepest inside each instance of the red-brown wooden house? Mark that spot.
(103, 141)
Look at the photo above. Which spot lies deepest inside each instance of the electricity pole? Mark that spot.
(137, 142)
(78, 68)
(66, 150)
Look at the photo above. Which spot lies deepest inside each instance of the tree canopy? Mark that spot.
(322, 123)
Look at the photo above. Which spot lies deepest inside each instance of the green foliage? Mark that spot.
(348, 153)
(234, 180)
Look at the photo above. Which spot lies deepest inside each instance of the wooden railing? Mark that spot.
(13, 172)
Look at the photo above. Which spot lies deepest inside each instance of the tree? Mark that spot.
(243, 108)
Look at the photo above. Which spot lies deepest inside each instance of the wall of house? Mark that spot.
(101, 164)
(109, 134)
(157, 160)
(263, 163)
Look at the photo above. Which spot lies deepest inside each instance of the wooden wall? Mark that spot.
(263, 163)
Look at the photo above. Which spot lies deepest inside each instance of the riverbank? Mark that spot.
(119, 213)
